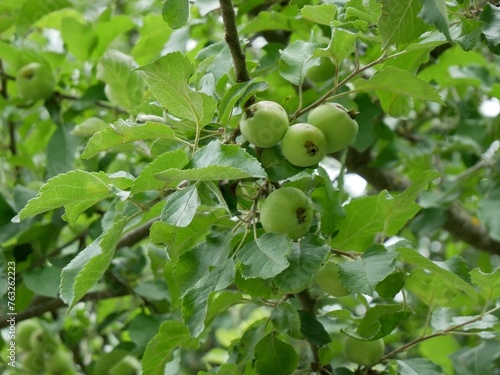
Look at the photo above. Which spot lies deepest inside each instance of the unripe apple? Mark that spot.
(33, 363)
(322, 72)
(24, 331)
(127, 366)
(264, 123)
(42, 343)
(336, 123)
(303, 145)
(287, 210)
(365, 353)
(35, 81)
(60, 363)
(327, 278)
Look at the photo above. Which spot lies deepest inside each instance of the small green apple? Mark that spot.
(287, 210)
(264, 123)
(303, 145)
(41, 342)
(35, 81)
(127, 366)
(365, 353)
(60, 363)
(328, 279)
(33, 363)
(322, 72)
(24, 331)
(336, 123)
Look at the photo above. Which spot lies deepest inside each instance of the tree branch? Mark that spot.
(233, 40)
(44, 304)
(459, 222)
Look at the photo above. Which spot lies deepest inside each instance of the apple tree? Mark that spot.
(250, 187)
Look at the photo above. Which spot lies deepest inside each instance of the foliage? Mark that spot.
(129, 202)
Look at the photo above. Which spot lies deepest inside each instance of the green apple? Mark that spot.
(328, 279)
(303, 145)
(336, 123)
(365, 353)
(33, 363)
(35, 81)
(264, 123)
(24, 331)
(127, 366)
(60, 363)
(322, 72)
(42, 343)
(287, 210)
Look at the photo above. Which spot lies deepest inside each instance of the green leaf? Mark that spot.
(418, 366)
(79, 37)
(342, 44)
(363, 274)
(434, 12)
(234, 94)
(179, 240)
(75, 191)
(154, 34)
(488, 283)
(265, 257)
(89, 265)
(195, 302)
(323, 14)
(275, 357)
(367, 216)
(167, 78)
(330, 209)
(286, 319)
(304, 260)
(478, 360)
(490, 15)
(43, 281)
(399, 23)
(176, 13)
(312, 329)
(489, 214)
(381, 320)
(122, 132)
(216, 161)
(167, 160)
(296, 60)
(181, 207)
(445, 277)
(172, 334)
(468, 33)
(393, 84)
(391, 285)
(267, 21)
(33, 10)
(196, 263)
(370, 10)
(124, 87)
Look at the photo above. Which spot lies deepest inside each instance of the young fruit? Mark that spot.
(320, 73)
(365, 353)
(60, 363)
(264, 123)
(337, 125)
(303, 145)
(328, 280)
(24, 331)
(35, 81)
(42, 343)
(287, 210)
(127, 366)
(33, 363)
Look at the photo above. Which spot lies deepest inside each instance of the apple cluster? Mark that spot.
(329, 128)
